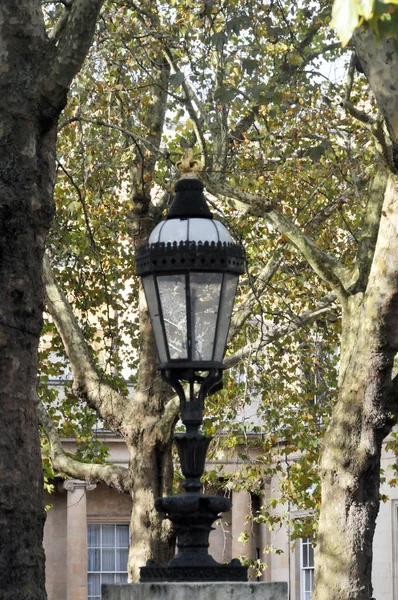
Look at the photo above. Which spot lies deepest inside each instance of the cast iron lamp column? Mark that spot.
(190, 269)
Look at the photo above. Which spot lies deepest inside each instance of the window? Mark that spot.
(307, 568)
(107, 549)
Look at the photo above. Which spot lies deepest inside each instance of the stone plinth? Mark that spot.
(196, 591)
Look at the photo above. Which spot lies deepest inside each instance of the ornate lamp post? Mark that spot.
(190, 269)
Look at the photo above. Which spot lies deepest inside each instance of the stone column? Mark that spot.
(76, 544)
(264, 540)
(241, 507)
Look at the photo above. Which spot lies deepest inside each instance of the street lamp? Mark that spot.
(190, 269)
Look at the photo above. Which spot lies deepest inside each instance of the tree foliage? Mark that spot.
(243, 93)
(380, 16)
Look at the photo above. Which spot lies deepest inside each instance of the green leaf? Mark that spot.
(249, 64)
(224, 94)
(219, 39)
(176, 79)
(345, 18)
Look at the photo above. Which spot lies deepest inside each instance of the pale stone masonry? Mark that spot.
(76, 506)
(196, 591)
(76, 538)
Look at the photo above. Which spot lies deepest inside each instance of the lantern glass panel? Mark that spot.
(191, 230)
(153, 307)
(172, 292)
(205, 290)
(202, 230)
(224, 319)
(174, 230)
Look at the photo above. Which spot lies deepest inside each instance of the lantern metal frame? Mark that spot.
(185, 258)
(192, 512)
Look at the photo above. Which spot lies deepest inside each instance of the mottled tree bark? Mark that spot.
(365, 412)
(32, 96)
(152, 477)
(367, 404)
(25, 216)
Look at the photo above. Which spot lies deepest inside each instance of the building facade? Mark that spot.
(87, 533)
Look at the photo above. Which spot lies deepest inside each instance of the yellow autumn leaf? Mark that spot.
(345, 18)
(367, 8)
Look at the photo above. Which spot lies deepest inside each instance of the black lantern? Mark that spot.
(190, 269)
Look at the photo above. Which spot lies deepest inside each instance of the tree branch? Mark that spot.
(370, 226)
(274, 332)
(115, 476)
(325, 266)
(245, 309)
(359, 115)
(71, 50)
(190, 101)
(378, 129)
(168, 419)
(328, 48)
(87, 383)
(244, 125)
(55, 33)
(126, 132)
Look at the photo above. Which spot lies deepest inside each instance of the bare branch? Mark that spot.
(55, 33)
(271, 332)
(325, 266)
(350, 77)
(370, 226)
(87, 383)
(116, 477)
(193, 105)
(361, 116)
(377, 128)
(73, 45)
(328, 48)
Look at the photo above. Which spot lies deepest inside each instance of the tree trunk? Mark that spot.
(350, 471)
(150, 451)
(27, 163)
(363, 416)
(151, 464)
(152, 475)
(35, 78)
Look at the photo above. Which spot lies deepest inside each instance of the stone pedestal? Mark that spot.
(196, 591)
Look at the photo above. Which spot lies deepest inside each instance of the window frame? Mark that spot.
(100, 547)
(307, 550)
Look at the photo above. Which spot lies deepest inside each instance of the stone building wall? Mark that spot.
(76, 505)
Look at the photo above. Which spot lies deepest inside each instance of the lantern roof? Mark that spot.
(189, 201)
(189, 238)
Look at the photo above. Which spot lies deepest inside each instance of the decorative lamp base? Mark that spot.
(193, 515)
